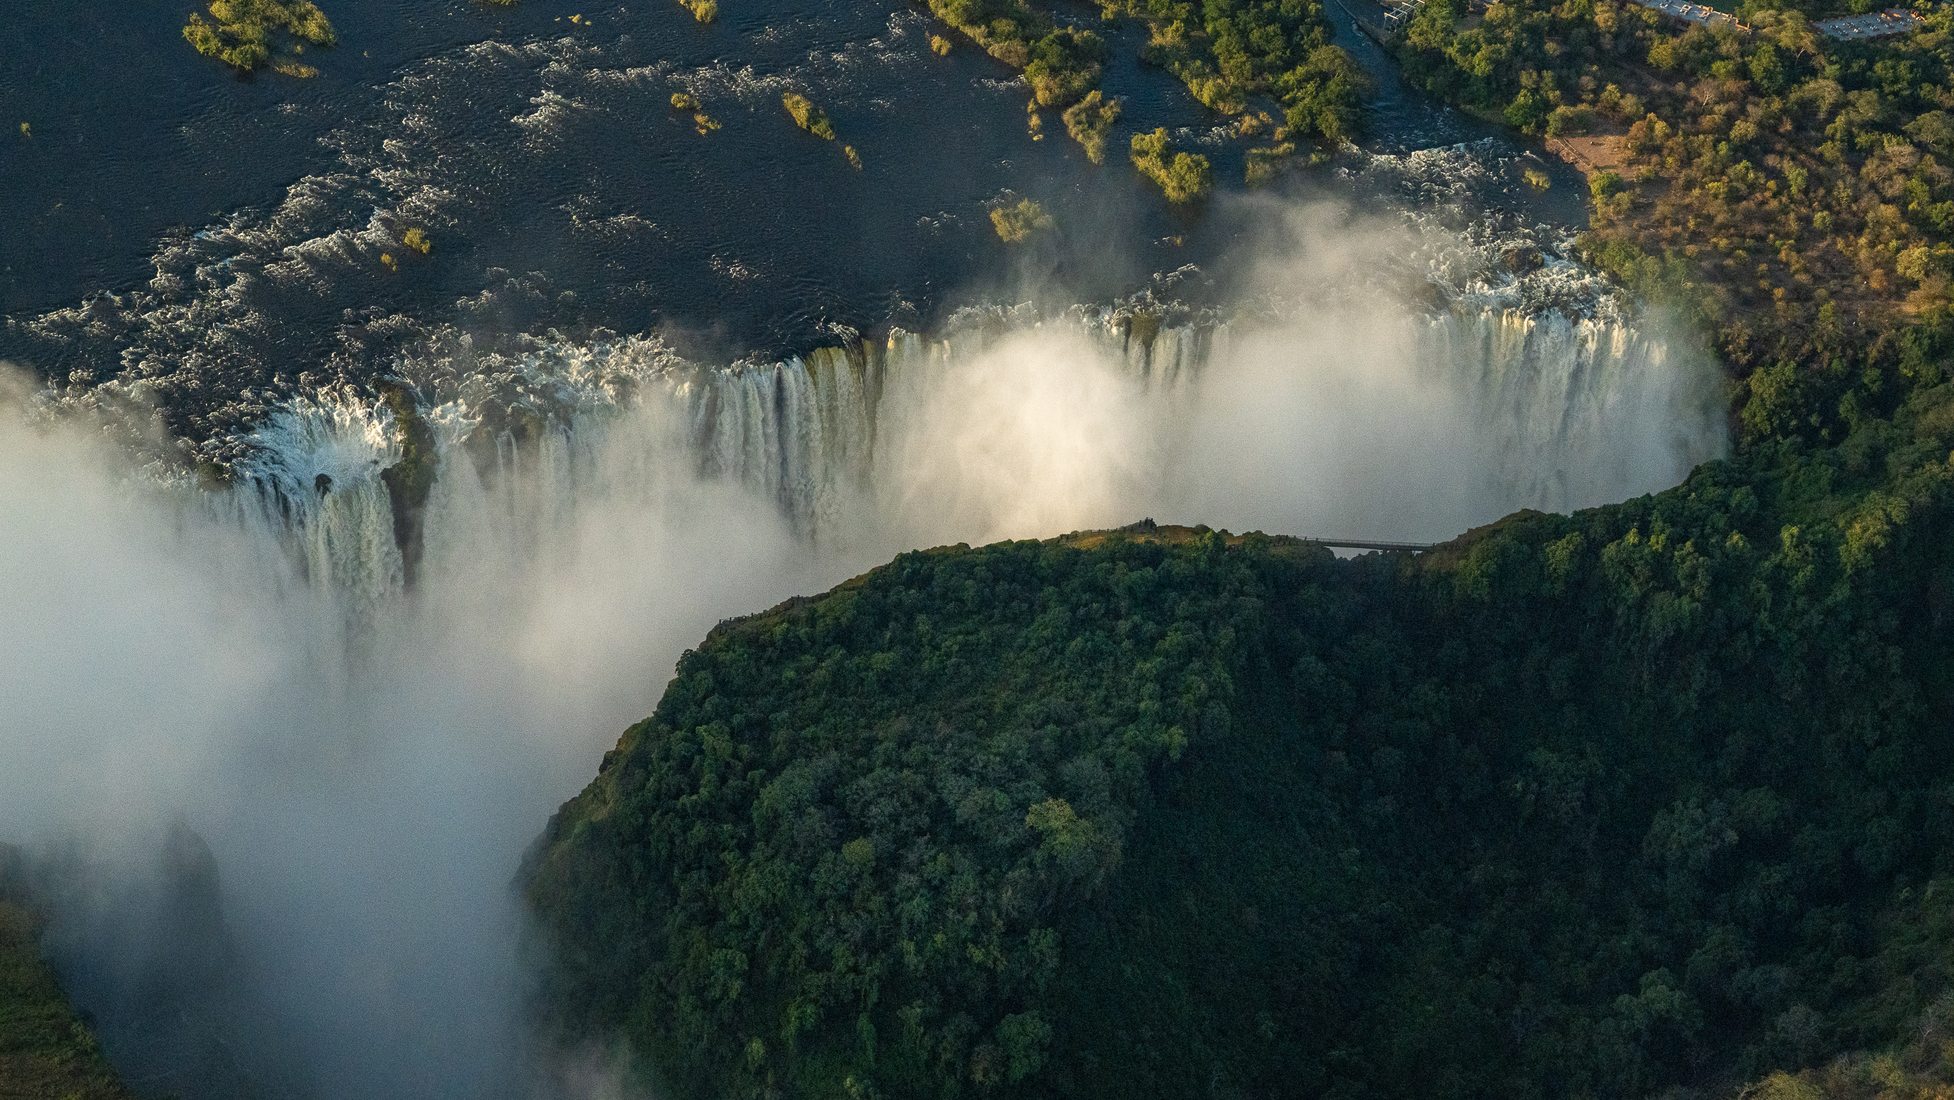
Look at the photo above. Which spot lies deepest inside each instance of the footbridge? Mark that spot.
(1368, 544)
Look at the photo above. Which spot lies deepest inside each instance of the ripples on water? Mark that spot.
(242, 223)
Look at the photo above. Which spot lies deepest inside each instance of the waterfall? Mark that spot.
(1576, 407)
(1502, 407)
(366, 703)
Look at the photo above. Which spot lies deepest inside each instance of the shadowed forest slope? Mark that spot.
(1652, 797)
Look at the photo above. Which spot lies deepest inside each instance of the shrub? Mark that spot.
(1017, 222)
(1263, 162)
(1569, 120)
(240, 32)
(1064, 64)
(807, 116)
(1183, 177)
(1088, 120)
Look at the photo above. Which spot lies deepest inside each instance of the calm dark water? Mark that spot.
(220, 240)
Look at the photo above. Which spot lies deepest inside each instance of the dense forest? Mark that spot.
(1653, 798)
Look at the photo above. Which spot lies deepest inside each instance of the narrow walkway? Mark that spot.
(1878, 24)
(1699, 14)
(1363, 544)
(1399, 12)
(1845, 28)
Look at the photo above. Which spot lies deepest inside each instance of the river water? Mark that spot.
(220, 239)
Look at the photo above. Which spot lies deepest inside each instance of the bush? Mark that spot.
(1263, 162)
(1183, 177)
(807, 116)
(240, 33)
(1016, 223)
(1064, 64)
(1088, 121)
(1569, 120)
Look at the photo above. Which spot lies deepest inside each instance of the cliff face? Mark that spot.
(45, 1051)
(1655, 796)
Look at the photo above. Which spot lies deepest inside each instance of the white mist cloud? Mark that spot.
(1038, 434)
(366, 810)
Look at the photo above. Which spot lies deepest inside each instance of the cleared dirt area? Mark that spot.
(1592, 153)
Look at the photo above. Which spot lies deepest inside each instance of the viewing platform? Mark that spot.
(1878, 24)
(1700, 14)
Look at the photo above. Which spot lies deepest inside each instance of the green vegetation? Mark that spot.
(1792, 189)
(1262, 163)
(241, 33)
(1064, 65)
(705, 11)
(1008, 30)
(807, 116)
(1651, 797)
(1018, 222)
(689, 104)
(1183, 177)
(1232, 54)
(1921, 1069)
(45, 1052)
(939, 45)
(416, 238)
(1089, 120)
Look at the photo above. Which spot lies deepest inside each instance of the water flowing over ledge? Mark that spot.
(1433, 422)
